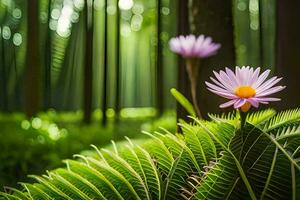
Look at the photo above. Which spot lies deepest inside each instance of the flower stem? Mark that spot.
(243, 116)
(192, 70)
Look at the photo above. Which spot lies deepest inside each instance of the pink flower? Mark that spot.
(245, 88)
(192, 47)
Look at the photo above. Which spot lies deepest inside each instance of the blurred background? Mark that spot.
(81, 72)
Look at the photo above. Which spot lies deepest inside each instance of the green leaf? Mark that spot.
(128, 172)
(283, 119)
(259, 118)
(141, 161)
(200, 143)
(220, 181)
(96, 178)
(184, 102)
(232, 118)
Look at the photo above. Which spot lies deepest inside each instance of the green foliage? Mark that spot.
(184, 102)
(31, 146)
(211, 160)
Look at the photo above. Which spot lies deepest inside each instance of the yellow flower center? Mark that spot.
(245, 92)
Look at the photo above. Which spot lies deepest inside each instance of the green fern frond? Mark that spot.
(219, 181)
(266, 165)
(16, 193)
(183, 165)
(259, 118)
(142, 163)
(10, 196)
(95, 178)
(221, 133)
(211, 160)
(283, 119)
(116, 178)
(160, 153)
(297, 185)
(232, 118)
(127, 171)
(34, 191)
(81, 183)
(288, 132)
(200, 143)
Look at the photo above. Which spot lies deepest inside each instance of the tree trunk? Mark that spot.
(3, 78)
(159, 62)
(118, 64)
(48, 61)
(105, 67)
(267, 13)
(287, 52)
(3, 75)
(33, 66)
(183, 79)
(213, 18)
(88, 68)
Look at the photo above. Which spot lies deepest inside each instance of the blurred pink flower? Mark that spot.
(194, 47)
(245, 88)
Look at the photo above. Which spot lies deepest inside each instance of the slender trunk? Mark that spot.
(48, 62)
(183, 80)
(3, 76)
(261, 35)
(287, 51)
(213, 18)
(159, 62)
(3, 70)
(268, 29)
(33, 66)
(16, 99)
(105, 67)
(88, 68)
(118, 63)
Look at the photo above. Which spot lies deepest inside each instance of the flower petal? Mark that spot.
(270, 91)
(254, 77)
(239, 103)
(227, 82)
(191, 46)
(268, 84)
(222, 94)
(217, 83)
(225, 77)
(266, 99)
(216, 88)
(238, 76)
(229, 103)
(261, 78)
(224, 82)
(254, 102)
(232, 76)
